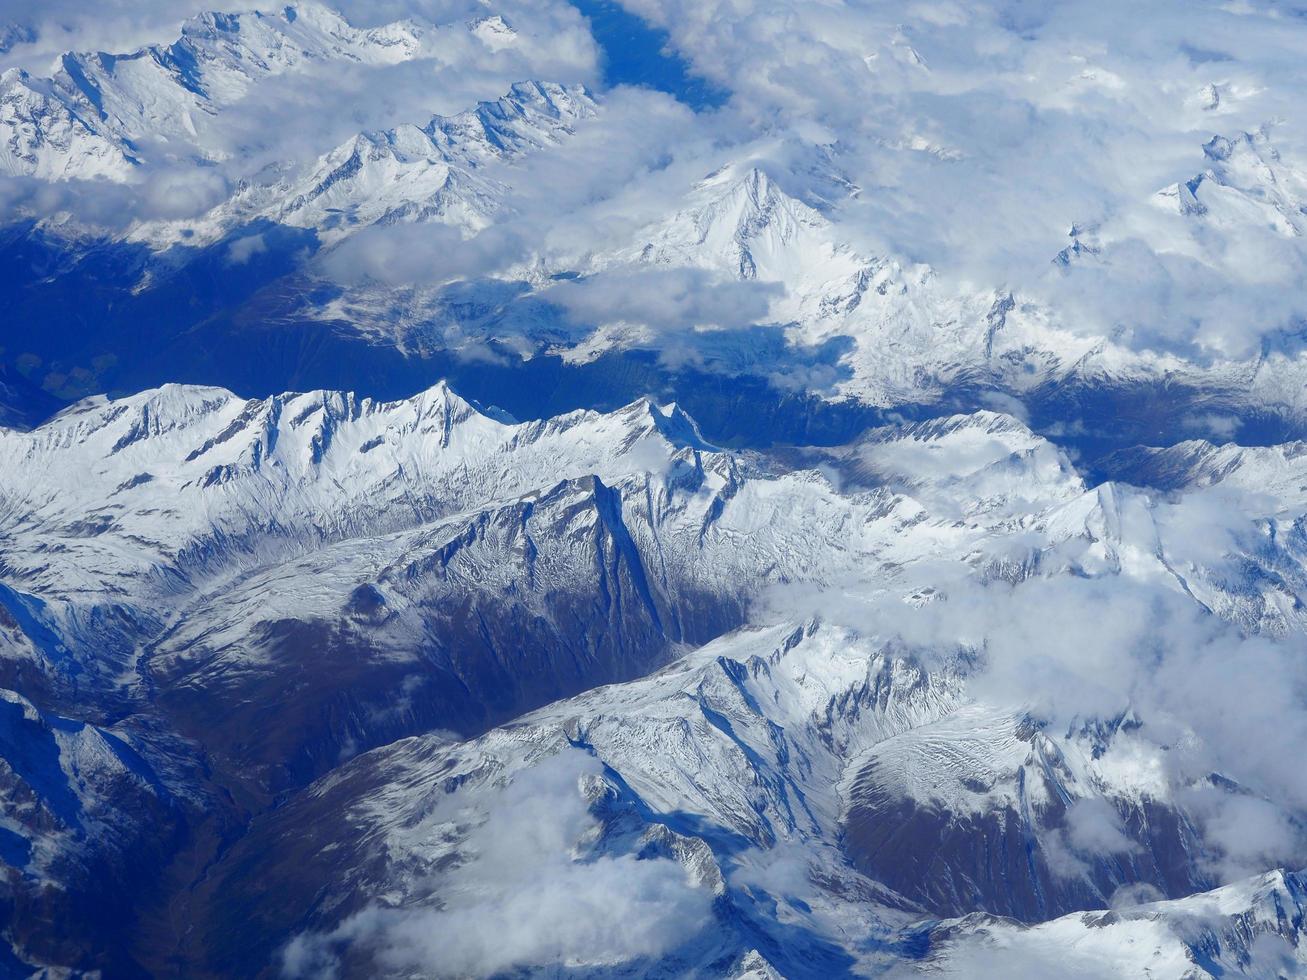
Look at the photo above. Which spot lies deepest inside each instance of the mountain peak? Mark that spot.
(434, 173)
(739, 221)
(441, 400)
(529, 114)
(668, 420)
(88, 118)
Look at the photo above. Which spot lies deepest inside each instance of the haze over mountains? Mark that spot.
(732, 490)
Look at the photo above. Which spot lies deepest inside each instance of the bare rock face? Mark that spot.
(977, 814)
(86, 820)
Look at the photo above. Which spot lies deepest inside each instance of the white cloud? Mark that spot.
(1088, 641)
(980, 133)
(665, 299)
(402, 254)
(528, 896)
(243, 249)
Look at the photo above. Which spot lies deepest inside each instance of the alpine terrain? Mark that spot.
(640, 488)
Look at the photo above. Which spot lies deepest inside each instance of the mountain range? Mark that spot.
(512, 541)
(247, 618)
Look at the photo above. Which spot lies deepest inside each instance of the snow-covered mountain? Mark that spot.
(102, 115)
(1246, 181)
(1276, 470)
(1242, 929)
(432, 173)
(815, 563)
(239, 598)
(838, 321)
(744, 741)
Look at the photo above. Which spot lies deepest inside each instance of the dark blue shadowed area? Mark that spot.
(15, 851)
(637, 54)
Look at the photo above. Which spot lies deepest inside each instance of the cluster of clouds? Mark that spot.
(1086, 642)
(663, 299)
(527, 896)
(288, 119)
(978, 136)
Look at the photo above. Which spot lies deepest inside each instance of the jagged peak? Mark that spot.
(513, 123)
(555, 95)
(524, 100)
(749, 183)
(668, 420)
(173, 407)
(441, 399)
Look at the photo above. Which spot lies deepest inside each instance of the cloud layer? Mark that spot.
(1092, 638)
(527, 896)
(1169, 160)
(997, 128)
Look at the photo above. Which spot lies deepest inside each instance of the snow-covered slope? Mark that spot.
(731, 763)
(189, 498)
(1245, 183)
(269, 588)
(101, 115)
(913, 336)
(84, 815)
(436, 173)
(405, 528)
(1278, 471)
(874, 329)
(738, 222)
(431, 173)
(830, 318)
(1250, 928)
